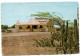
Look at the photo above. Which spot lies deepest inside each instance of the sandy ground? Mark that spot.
(23, 43)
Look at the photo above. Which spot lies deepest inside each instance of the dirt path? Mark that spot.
(24, 33)
(23, 43)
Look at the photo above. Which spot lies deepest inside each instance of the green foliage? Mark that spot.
(70, 24)
(71, 40)
(52, 39)
(70, 44)
(42, 15)
(76, 36)
(47, 15)
(56, 36)
(75, 29)
(44, 42)
(4, 26)
(13, 26)
(67, 37)
(50, 22)
(58, 29)
(63, 32)
(3, 30)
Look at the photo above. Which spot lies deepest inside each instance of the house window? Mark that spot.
(47, 26)
(20, 27)
(41, 26)
(50, 26)
(28, 27)
(34, 26)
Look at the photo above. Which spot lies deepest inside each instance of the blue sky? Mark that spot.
(11, 12)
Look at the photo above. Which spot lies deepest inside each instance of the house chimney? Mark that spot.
(17, 21)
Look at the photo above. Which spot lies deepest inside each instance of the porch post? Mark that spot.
(38, 27)
(30, 28)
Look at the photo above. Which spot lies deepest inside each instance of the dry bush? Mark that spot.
(44, 42)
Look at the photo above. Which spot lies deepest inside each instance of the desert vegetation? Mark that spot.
(68, 39)
(5, 27)
(65, 40)
(67, 35)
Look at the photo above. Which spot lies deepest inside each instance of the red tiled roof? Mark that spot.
(33, 22)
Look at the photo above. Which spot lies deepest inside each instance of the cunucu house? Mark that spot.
(35, 25)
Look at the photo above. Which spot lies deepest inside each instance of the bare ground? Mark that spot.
(23, 43)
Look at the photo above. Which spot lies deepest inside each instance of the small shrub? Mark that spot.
(44, 42)
(3, 30)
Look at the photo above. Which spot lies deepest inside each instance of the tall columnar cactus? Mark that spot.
(75, 29)
(76, 36)
(62, 32)
(71, 40)
(66, 33)
(65, 38)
